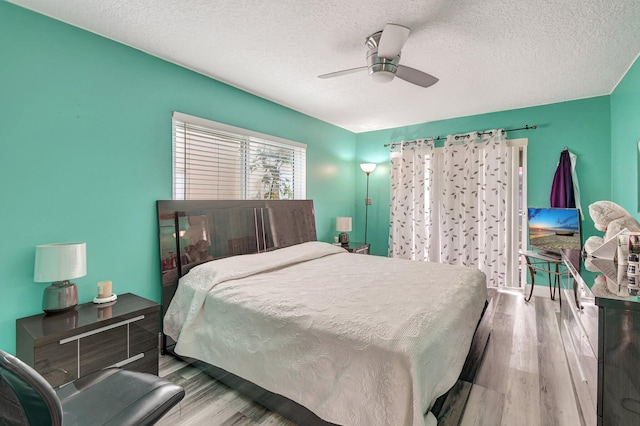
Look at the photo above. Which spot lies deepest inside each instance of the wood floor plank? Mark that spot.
(522, 399)
(169, 364)
(558, 405)
(217, 410)
(506, 302)
(524, 349)
(255, 412)
(238, 419)
(484, 407)
(209, 401)
(276, 420)
(522, 393)
(493, 372)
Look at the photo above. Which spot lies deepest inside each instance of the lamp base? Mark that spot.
(61, 296)
(344, 239)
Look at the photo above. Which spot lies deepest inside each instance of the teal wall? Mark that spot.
(625, 134)
(85, 151)
(583, 126)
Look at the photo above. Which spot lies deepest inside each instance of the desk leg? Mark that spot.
(554, 283)
(552, 294)
(558, 281)
(526, 258)
(527, 298)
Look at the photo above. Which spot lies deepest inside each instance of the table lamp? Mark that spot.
(343, 225)
(58, 263)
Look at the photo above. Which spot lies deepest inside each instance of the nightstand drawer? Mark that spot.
(57, 363)
(102, 349)
(143, 334)
(147, 363)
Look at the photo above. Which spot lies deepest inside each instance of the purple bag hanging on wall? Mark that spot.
(562, 186)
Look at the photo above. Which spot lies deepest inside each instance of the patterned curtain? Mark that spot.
(412, 169)
(461, 208)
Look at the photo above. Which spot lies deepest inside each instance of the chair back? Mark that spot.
(26, 398)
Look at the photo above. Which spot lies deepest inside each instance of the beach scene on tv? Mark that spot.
(554, 229)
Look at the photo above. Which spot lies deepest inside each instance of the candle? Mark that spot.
(104, 289)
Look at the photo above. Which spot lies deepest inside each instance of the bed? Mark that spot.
(350, 339)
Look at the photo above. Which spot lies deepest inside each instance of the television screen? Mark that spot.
(553, 229)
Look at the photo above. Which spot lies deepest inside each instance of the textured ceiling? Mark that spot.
(490, 55)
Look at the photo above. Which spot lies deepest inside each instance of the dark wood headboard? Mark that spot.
(196, 231)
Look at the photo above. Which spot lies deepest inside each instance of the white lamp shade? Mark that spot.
(343, 224)
(368, 167)
(60, 261)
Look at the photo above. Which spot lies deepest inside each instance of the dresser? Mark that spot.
(69, 345)
(600, 327)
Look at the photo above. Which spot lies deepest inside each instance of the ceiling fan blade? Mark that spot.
(343, 72)
(414, 76)
(391, 41)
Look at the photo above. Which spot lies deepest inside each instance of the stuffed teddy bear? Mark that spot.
(611, 218)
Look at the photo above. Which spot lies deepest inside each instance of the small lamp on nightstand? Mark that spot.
(343, 225)
(58, 263)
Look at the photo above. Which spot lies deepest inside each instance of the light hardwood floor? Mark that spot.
(523, 380)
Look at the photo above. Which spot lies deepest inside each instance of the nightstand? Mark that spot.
(70, 345)
(358, 248)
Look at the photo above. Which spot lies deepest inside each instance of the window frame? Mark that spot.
(248, 140)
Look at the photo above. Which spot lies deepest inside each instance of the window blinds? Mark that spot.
(216, 161)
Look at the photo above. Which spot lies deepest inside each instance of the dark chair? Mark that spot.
(106, 397)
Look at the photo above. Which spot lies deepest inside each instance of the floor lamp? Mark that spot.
(367, 168)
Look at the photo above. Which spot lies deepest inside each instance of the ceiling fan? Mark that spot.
(383, 58)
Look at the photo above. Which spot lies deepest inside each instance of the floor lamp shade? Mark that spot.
(367, 167)
(58, 263)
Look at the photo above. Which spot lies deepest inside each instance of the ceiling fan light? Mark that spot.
(381, 69)
(383, 76)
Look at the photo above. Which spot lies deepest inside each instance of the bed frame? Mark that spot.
(193, 232)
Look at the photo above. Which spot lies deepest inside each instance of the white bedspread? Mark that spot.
(359, 340)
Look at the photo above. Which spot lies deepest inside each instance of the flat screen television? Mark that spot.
(553, 229)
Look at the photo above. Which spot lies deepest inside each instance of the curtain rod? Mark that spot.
(438, 138)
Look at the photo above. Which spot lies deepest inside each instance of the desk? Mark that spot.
(547, 263)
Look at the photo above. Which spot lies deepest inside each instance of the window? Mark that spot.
(215, 161)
